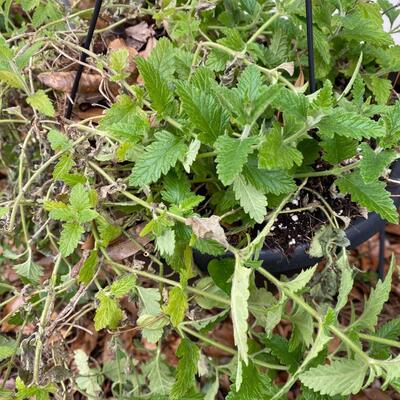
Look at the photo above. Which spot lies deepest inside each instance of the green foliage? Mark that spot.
(188, 354)
(340, 377)
(219, 130)
(41, 102)
(373, 195)
(231, 156)
(108, 313)
(204, 111)
(78, 212)
(252, 200)
(125, 120)
(177, 305)
(158, 158)
(255, 386)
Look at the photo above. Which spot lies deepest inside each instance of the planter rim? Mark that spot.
(359, 231)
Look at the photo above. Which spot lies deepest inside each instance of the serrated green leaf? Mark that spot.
(29, 270)
(381, 88)
(189, 356)
(150, 308)
(122, 286)
(373, 306)
(253, 201)
(204, 112)
(86, 273)
(158, 158)
(41, 102)
(360, 29)
(301, 280)
(373, 162)
(119, 61)
(324, 97)
(70, 237)
(159, 376)
(177, 305)
(191, 154)
(87, 379)
(59, 211)
(255, 386)
(268, 181)
(373, 195)
(8, 347)
(279, 347)
(125, 120)
(341, 377)
(12, 79)
(108, 313)
(349, 124)
(293, 104)
(63, 166)
(239, 308)
(231, 156)
(338, 148)
(303, 329)
(58, 141)
(165, 243)
(390, 330)
(308, 394)
(157, 87)
(346, 281)
(107, 231)
(392, 125)
(162, 58)
(274, 153)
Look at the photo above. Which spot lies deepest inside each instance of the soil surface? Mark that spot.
(297, 227)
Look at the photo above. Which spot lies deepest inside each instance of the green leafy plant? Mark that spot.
(202, 148)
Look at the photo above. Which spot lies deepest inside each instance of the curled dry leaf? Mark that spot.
(63, 81)
(288, 67)
(138, 35)
(120, 43)
(208, 228)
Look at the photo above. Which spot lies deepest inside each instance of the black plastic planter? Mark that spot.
(359, 231)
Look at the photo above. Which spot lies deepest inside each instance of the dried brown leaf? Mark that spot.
(208, 228)
(63, 81)
(138, 35)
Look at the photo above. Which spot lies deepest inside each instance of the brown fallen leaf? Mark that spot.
(138, 35)
(208, 228)
(124, 247)
(151, 44)
(63, 81)
(94, 113)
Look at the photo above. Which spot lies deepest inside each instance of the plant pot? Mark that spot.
(359, 231)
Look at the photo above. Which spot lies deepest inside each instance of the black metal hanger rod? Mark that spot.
(310, 46)
(88, 40)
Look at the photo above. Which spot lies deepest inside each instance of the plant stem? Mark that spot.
(134, 198)
(328, 172)
(301, 303)
(43, 321)
(263, 27)
(167, 281)
(229, 350)
(32, 179)
(377, 339)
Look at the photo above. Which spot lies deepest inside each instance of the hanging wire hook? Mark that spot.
(86, 46)
(310, 46)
